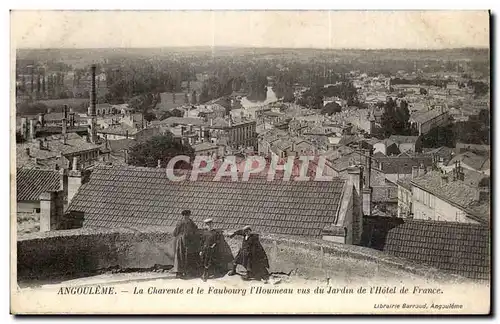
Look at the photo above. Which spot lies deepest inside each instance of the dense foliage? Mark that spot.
(163, 148)
(395, 118)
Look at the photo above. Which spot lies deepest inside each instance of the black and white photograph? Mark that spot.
(250, 162)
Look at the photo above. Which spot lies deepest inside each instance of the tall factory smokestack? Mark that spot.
(92, 108)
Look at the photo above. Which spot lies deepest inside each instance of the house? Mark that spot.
(208, 149)
(58, 150)
(286, 147)
(128, 197)
(31, 183)
(423, 122)
(42, 193)
(52, 123)
(238, 133)
(443, 153)
(386, 147)
(406, 143)
(458, 196)
(405, 198)
(471, 161)
(123, 131)
(480, 149)
(451, 247)
(119, 150)
(398, 167)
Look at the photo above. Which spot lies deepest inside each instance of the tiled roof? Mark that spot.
(56, 147)
(460, 193)
(442, 152)
(460, 248)
(477, 162)
(122, 129)
(401, 164)
(130, 196)
(423, 117)
(121, 144)
(203, 146)
(183, 121)
(399, 139)
(405, 183)
(30, 183)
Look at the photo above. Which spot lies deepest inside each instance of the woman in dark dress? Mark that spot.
(251, 256)
(187, 246)
(215, 252)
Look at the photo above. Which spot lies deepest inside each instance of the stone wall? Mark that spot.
(81, 252)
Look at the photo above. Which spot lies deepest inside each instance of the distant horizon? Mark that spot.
(263, 47)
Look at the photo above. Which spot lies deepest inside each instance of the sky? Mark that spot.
(285, 29)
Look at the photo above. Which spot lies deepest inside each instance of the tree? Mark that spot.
(171, 113)
(331, 108)
(149, 116)
(162, 148)
(193, 98)
(395, 118)
(439, 136)
(26, 108)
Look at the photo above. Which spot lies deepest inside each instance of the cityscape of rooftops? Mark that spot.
(377, 159)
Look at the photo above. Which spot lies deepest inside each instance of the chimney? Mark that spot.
(211, 122)
(125, 154)
(444, 179)
(32, 131)
(126, 134)
(40, 144)
(355, 182)
(64, 125)
(74, 165)
(71, 119)
(414, 172)
(421, 170)
(24, 128)
(51, 210)
(63, 183)
(159, 164)
(74, 180)
(41, 119)
(65, 112)
(28, 151)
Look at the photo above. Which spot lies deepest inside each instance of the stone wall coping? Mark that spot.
(314, 244)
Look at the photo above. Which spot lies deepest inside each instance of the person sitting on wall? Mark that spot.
(251, 256)
(215, 252)
(187, 246)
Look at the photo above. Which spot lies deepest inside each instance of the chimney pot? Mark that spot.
(159, 164)
(75, 164)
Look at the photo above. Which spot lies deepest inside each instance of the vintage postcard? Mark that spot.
(250, 162)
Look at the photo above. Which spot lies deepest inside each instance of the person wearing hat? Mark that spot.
(215, 252)
(187, 244)
(251, 256)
